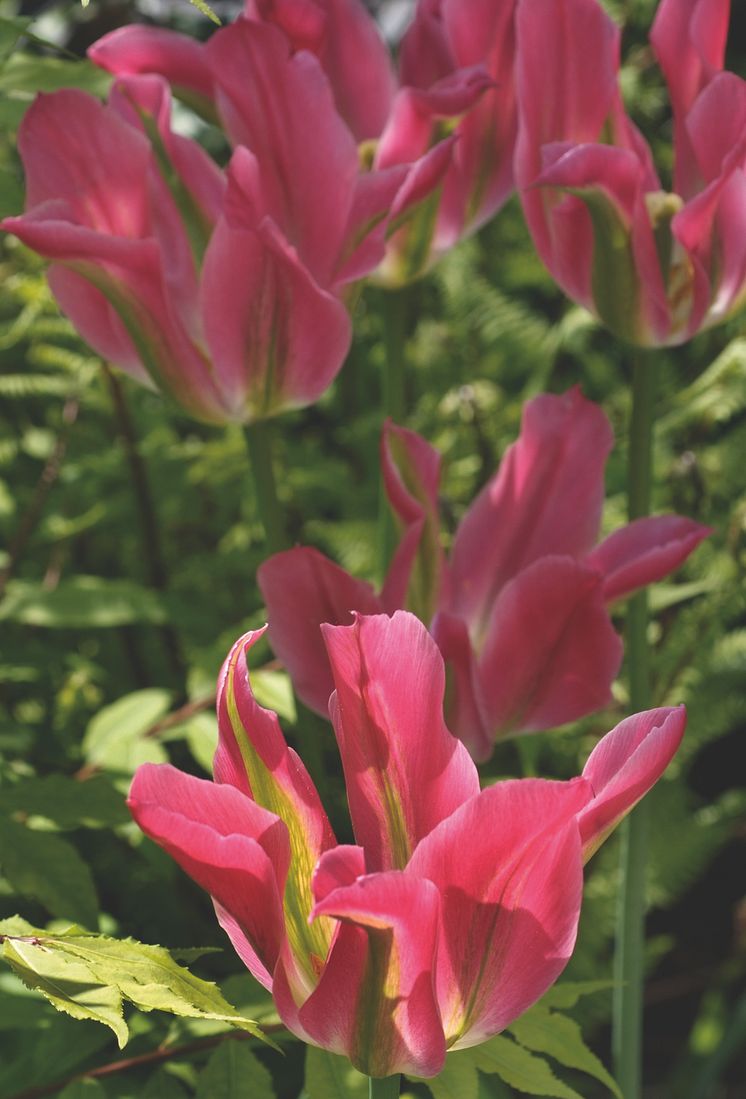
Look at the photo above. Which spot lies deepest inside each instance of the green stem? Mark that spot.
(395, 310)
(259, 443)
(629, 958)
(386, 1087)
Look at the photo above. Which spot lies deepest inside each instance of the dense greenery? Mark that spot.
(131, 541)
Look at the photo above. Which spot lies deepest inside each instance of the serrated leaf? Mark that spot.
(331, 1077)
(233, 1072)
(567, 993)
(519, 1068)
(82, 602)
(67, 983)
(66, 802)
(458, 1080)
(48, 868)
(145, 975)
(114, 738)
(544, 1031)
(83, 1089)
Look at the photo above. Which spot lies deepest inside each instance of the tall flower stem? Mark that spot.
(387, 1087)
(259, 444)
(395, 307)
(630, 937)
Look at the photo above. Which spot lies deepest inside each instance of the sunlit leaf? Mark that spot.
(544, 1031)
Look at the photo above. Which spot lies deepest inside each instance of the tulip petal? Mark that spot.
(387, 714)
(509, 871)
(688, 37)
(644, 551)
(301, 589)
(277, 339)
(385, 1008)
(551, 653)
(253, 756)
(623, 766)
(271, 101)
(464, 705)
(130, 51)
(411, 476)
(231, 847)
(546, 498)
(572, 47)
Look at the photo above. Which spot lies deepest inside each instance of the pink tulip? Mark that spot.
(453, 115)
(520, 610)
(455, 909)
(654, 266)
(170, 268)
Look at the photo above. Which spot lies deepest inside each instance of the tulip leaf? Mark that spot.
(331, 1077)
(115, 737)
(43, 866)
(544, 1031)
(233, 1072)
(89, 976)
(519, 1068)
(83, 602)
(66, 802)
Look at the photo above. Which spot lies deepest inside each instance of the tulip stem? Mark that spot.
(395, 311)
(629, 961)
(259, 443)
(386, 1087)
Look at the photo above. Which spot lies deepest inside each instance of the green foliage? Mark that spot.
(90, 976)
(332, 1077)
(233, 1072)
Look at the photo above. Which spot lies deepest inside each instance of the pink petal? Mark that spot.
(387, 714)
(301, 589)
(276, 338)
(352, 54)
(571, 47)
(129, 51)
(623, 766)
(644, 551)
(231, 847)
(75, 149)
(716, 126)
(411, 476)
(253, 756)
(546, 498)
(271, 101)
(464, 705)
(385, 1011)
(551, 653)
(508, 866)
(689, 38)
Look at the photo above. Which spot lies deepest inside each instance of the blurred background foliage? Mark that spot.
(130, 547)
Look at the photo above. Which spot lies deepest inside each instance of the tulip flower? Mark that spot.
(655, 266)
(222, 288)
(453, 108)
(453, 911)
(520, 609)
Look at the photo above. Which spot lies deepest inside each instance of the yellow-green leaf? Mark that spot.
(544, 1031)
(519, 1068)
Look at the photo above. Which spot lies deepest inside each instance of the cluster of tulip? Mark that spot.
(230, 289)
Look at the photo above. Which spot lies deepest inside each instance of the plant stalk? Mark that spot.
(395, 310)
(386, 1087)
(259, 444)
(629, 960)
